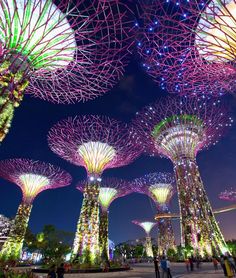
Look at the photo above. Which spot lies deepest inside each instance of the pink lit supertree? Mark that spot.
(187, 47)
(159, 187)
(110, 190)
(96, 143)
(178, 128)
(61, 51)
(228, 195)
(32, 177)
(147, 226)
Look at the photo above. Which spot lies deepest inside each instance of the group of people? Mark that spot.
(162, 267)
(56, 272)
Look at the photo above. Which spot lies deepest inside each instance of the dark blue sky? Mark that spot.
(61, 207)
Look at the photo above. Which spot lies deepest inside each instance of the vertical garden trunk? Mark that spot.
(199, 228)
(12, 247)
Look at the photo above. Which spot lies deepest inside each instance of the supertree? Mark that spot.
(178, 128)
(96, 143)
(110, 189)
(228, 195)
(61, 51)
(32, 177)
(158, 186)
(147, 226)
(188, 46)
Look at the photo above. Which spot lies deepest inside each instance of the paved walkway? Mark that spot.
(147, 271)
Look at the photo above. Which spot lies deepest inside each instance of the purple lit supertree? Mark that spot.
(228, 195)
(32, 177)
(178, 128)
(188, 47)
(158, 186)
(147, 226)
(61, 51)
(96, 143)
(110, 189)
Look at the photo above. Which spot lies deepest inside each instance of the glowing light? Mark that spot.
(161, 192)
(96, 155)
(228, 195)
(37, 21)
(106, 196)
(215, 33)
(146, 225)
(33, 184)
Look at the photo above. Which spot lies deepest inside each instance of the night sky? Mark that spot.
(61, 207)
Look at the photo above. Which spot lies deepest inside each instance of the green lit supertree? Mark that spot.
(110, 189)
(32, 177)
(60, 51)
(96, 143)
(158, 186)
(147, 226)
(178, 128)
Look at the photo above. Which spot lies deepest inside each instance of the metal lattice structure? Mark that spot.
(32, 177)
(188, 47)
(62, 51)
(147, 227)
(159, 187)
(178, 128)
(228, 195)
(110, 189)
(96, 143)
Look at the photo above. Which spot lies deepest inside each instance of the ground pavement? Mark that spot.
(146, 270)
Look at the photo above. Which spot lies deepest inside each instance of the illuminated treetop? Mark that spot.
(181, 127)
(110, 189)
(95, 142)
(228, 195)
(68, 50)
(185, 45)
(33, 177)
(159, 186)
(146, 225)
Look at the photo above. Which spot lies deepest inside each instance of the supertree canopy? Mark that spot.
(96, 143)
(32, 177)
(159, 186)
(188, 47)
(228, 195)
(110, 189)
(147, 226)
(61, 51)
(178, 128)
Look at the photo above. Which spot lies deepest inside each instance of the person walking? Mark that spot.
(164, 269)
(187, 264)
(60, 271)
(215, 263)
(191, 263)
(232, 263)
(52, 272)
(168, 269)
(222, 263)
(228, 267)
(156, 262)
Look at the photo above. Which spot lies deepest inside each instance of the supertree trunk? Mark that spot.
(148, 246)
(166, 238)
(12, 86)
(199, 228)
(103, 235)
(12, 247)
(86, 243)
